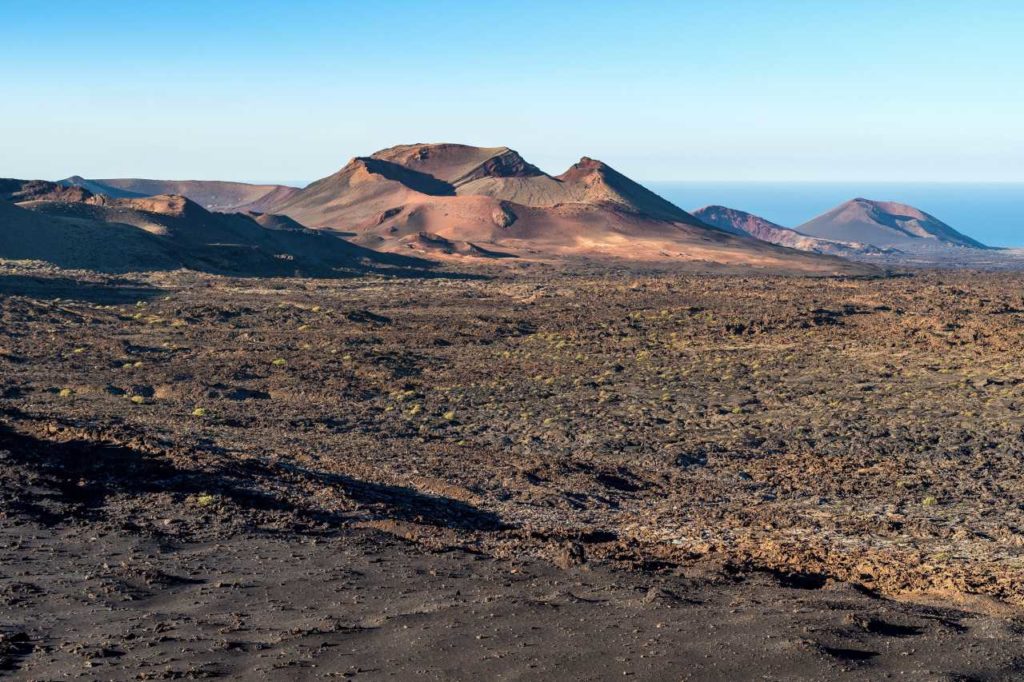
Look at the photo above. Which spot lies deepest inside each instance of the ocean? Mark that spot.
(991, 213)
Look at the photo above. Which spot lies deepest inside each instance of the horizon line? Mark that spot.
(757, 181)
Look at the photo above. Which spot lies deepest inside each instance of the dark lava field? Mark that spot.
(553, 473)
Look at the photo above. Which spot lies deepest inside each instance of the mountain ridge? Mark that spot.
(491, 202)
(765, 230)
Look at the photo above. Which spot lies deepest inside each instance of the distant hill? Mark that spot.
(212, 195)
(886, 224)
(76, 229)
(273, 221)
(741, 222)
(459, 200)
(80, 243)
(28, 190)
(99, 187)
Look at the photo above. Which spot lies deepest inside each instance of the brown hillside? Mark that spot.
(458, 200)
(167, 232)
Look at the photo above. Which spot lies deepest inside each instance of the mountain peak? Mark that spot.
(415, 180)
(586, 164)
(506, 164)
(459, 163)
(735, 221)
(885, 224)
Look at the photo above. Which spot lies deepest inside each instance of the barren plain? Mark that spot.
(535, 472)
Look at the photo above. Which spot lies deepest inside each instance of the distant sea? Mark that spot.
(991, 213)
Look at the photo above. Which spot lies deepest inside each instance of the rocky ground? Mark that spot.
(522, 474)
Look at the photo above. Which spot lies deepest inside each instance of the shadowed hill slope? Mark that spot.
(364, 189)
(168, 232)
(78, 242)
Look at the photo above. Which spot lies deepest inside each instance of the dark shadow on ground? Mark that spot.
(66, 287)
(410, 505)
(14, 646)
(50, 481)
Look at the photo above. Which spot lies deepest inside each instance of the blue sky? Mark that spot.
(740, 90)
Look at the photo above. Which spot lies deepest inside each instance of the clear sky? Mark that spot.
(717, 90)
